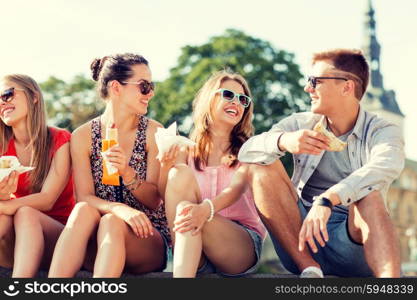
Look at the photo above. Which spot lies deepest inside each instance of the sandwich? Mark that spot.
(335, 144)
(5, 163)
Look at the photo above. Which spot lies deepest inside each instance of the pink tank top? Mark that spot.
(213, 180)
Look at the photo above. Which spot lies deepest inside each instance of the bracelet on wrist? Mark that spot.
(211, 209)
(134, 183)
(130, 182)
(134, 187)
(134, 178)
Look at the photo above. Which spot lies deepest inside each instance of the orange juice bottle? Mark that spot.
(108, 142)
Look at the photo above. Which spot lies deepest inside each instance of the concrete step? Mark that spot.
(7, 273)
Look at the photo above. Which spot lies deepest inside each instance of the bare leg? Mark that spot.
(183, 187)
(228, 246)
(36, 235)
(70, 250)
(370, 224)
(6, 241)
(119, 246)
(276, 201)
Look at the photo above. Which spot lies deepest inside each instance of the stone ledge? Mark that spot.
(7, 273)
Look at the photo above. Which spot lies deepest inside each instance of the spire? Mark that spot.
(376, 97)
(371, 47)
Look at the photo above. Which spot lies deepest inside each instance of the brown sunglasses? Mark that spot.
(8, 94)
(145, 87)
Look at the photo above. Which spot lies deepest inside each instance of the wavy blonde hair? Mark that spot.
(39, 135)
(203, 105)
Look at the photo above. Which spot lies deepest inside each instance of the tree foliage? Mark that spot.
(273, 76)
(71, 104)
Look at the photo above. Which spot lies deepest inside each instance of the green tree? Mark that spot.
(71, 104)
(273, 76)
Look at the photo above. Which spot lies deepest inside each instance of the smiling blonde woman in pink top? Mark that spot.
(210, 210)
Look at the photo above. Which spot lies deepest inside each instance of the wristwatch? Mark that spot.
(323, 201)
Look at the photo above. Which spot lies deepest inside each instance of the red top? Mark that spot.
(66, 201)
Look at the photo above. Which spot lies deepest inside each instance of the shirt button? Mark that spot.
(263, 163)
(348, 200)
(313, 167)
(299, 188)
(369, 188)
(298, 160)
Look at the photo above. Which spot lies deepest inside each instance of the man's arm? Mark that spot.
(385, 164)
(285, 136)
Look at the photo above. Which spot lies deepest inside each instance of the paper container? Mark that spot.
(14, 166)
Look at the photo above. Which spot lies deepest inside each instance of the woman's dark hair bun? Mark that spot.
(96, 68)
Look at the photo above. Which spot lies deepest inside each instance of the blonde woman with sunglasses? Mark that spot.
(34, 206)
(210, 210)
(120, 227)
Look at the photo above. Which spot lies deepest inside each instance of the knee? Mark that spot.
(26, 215)
(6, 227)
(111, 224)
(179, 177)
(372, 204)
(83, 211)
(181, 205)
(264, 174)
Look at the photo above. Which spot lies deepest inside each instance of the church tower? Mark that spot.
(378, 100)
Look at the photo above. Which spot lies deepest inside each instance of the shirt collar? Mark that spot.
(359, 125)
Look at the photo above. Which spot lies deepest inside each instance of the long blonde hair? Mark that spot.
(39, 135)
(202, 116)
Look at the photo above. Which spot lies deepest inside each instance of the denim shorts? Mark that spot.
(167, 252)
(341, 256)
(208, 267)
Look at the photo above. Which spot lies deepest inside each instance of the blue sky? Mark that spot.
(61, 38)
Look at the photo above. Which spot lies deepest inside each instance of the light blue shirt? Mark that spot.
(375, 149)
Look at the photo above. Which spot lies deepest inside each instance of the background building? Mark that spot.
(402, 197)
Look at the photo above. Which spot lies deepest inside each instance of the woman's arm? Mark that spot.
(83, 179)
(52, 188)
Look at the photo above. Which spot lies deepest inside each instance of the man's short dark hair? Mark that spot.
(351, 61)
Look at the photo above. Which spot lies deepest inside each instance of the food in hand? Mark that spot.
(335, 144)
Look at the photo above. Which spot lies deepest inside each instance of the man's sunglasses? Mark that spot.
(145, 87)
(229, 95)
(312, 80)
(8, 94)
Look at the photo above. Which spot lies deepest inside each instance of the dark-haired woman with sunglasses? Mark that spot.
(121, 227)
(34, 206)
(210, 210)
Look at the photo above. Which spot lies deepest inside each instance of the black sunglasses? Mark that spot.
(8, 94)
(229, 95)
(312, 80)
(145, 87)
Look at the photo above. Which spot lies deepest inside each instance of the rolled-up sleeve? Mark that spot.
(385, 164)
(263, 148)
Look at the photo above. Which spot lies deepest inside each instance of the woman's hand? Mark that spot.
(137, 220)
(8, 185)
(117, 157)
(192, 217)
(169, 157)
